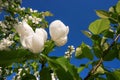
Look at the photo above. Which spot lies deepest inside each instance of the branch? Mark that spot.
(101, 59)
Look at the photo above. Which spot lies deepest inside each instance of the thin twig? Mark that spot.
(101, 59)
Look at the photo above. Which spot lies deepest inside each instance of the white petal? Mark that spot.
(37, 43)
(28, 30)
(23, 29)
(28, 42)
(19, 28)
(22, 40)
(41, 32)
(61, 41)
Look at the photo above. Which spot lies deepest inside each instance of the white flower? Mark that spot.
(31, 10)
(59, 32)
(35, 11)
(34, 41)
(23, 8)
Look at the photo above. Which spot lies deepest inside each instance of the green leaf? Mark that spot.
(63, 68)
(12, 56)
(108, 33)
(117, 74)
(47, 13)
(114, 18)
(118, 7)
(84, 51)
(102, 13)
(113, 75)
(118, 56)
(99, 70)
(113, 53)
(117, 50)
(87, 33)
(118, 30)
(110, 56)
(100, 78)
(45, 74)
(83, 66)
(99, 26)
(97, 51)
(49, 45)
(80, 69)
(96, 39)
(110, 76)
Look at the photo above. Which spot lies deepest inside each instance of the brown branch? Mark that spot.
(101, 59)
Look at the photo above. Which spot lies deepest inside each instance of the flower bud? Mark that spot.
(58, 32)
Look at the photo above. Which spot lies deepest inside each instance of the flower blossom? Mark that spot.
(34, 41)
(59, 32)
(6, 42)
(69, 52)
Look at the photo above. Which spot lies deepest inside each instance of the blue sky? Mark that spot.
(77, 14)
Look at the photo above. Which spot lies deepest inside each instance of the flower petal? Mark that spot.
(41, 32)
(23, 29)
(28, 30)
(61, 41)
(28, 42)
(37, 43)
(22, 40)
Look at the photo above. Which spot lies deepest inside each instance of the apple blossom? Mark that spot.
(34, 41)
(58, 32)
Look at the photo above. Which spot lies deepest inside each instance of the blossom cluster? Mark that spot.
(19, 74)
(3, 27)
(4, 71)
(69, 52)
(35, 40)
(5, 43)
(32, 18)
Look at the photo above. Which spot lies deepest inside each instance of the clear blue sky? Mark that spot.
(77, 14)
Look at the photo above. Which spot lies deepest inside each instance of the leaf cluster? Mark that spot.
(104, 34)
